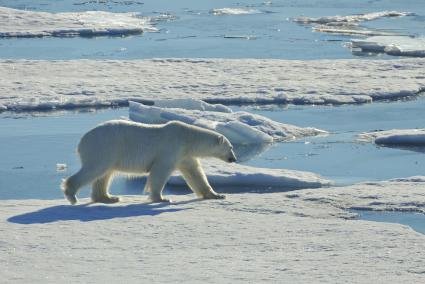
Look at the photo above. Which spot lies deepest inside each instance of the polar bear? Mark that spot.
(136, 148)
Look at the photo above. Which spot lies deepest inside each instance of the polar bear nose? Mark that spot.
(232, 159)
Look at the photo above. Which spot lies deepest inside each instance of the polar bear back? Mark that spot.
(132, 147)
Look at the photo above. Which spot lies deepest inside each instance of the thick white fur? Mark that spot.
(136, 148)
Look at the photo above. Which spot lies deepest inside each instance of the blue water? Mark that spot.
(192, 31)
(414, 220)
(33, 145)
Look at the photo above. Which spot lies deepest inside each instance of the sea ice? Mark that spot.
(351, 18)
(349, 25)
(282, 237)
(50, 85)
(392, 45)
(22, 23)
(236, 177)
(234, 11)
(239, 127)
(396, 137)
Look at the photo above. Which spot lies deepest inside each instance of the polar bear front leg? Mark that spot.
(158, 177)
(195, 177)
(100, 190)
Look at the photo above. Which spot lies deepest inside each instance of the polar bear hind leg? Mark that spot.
(100, 190)
(195, 177)
(71, 185)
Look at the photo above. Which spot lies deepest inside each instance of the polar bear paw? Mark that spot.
(214, 196)
(106, 199)
(71, 198)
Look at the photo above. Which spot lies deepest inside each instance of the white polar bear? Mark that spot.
(136, 148)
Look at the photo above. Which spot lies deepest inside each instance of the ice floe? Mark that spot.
(351, 18)
(22, 23)
(239, 127)
(28, 85)
(235, 177)
(392, 45)
(234, 11)
(396, 137)
(349, 25)
(295, 237)
(403, 194)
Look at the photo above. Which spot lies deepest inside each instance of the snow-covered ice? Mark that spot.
(396, 137)
(349, 25)
(239, 127)
(22, 23)
(28, 85)
(352, 18)
(392, 45)
(236, 177)
(234, 11)
(295, 237)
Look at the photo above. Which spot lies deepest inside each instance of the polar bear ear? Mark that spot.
(221, 139)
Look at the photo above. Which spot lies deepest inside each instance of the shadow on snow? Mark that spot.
(88, 212)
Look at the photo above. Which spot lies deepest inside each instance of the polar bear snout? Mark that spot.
(232, 157)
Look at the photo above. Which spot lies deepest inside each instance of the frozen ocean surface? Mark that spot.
(243, 29)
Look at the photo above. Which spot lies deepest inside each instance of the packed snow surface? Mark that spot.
(239, 127)
(21, 23)
(392, 45)
(396, 137)
(295, 237)
(28, 85)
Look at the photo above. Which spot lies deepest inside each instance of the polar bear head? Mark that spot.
(224, 150)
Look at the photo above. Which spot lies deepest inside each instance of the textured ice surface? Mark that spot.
(349, 25)
(351, 18)
(234, 11)
(22, 23)
(392, 45)
(396, 137)
(296, 237)
(235, 176)
(42, 85)
(239, 127)
(191, 104)
(403, 194)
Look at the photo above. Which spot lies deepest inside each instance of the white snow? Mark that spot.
(239, 127)
(396, 137)
(22, 23)
(351, 18)
(29, 85)
(299, 237)
(351, 30)
(392, 45)
(349, 25)
(191, 104)
(234, 11)
(235, 177)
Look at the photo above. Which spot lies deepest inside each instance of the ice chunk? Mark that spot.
(234, 11)
(239, 127)
(61, 167)
(396, 137)
(191, 104)
(351, 30)
(392, 45)
(233, 176)
(20, 23)
(352, 18)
